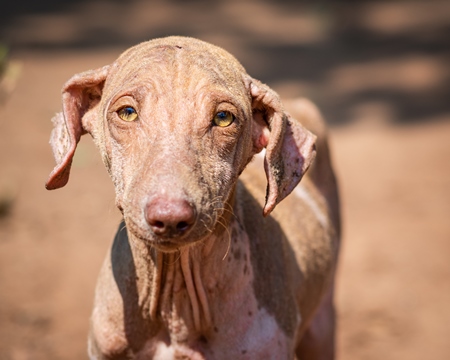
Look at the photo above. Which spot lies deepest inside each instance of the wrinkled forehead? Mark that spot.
(177, 63)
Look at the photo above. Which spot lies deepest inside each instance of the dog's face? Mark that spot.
(177, 135)
(176, 121)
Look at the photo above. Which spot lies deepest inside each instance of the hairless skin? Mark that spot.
(202, 267)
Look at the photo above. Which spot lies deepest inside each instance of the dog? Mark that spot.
(201, 266)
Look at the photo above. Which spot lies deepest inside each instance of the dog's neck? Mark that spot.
(177, 288)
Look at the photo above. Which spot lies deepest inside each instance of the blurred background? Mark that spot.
(379, 71)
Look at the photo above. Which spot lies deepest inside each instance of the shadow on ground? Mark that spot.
(359, 60)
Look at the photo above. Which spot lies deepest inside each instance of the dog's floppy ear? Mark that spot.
(290, 148)
(79, 95)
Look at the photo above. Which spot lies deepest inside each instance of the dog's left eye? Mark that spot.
(223, 118)
(127, 113)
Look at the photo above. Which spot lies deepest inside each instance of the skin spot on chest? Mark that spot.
(270, 251)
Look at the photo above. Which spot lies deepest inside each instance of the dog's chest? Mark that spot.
(241, 330)
(239, 326)
(257, 338)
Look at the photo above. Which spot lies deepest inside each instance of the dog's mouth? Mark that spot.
(176, 227)
(170, 242)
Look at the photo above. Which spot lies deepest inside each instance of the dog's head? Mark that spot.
(176, 121)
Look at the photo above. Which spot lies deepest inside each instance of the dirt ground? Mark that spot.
(379, 71)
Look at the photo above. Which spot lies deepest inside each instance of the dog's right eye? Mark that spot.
(223, 118)
(127, 113)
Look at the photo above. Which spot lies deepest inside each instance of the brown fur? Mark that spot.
(225, 282)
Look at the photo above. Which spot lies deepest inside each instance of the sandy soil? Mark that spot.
(380, 73)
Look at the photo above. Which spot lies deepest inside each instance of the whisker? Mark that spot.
(229, 239)
(231, 212)
(210, 230)
(175, 260)
(215, 200)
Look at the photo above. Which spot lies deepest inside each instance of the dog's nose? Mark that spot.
(170, 217)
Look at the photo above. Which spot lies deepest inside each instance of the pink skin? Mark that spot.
(185, 279)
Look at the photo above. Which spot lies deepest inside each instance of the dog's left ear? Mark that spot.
(290, 148)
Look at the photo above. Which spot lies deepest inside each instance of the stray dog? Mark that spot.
(200, 268)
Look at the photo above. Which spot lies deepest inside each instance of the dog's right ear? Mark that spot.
(80, 95)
